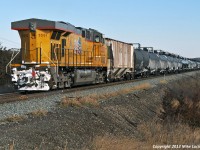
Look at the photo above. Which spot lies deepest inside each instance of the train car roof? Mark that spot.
(44, 24)
(118, 41)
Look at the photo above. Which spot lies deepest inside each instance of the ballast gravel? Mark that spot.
(49, 103)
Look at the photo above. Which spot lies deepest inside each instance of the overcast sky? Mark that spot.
(170, 25)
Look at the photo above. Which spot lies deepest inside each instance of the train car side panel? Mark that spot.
(121, 64)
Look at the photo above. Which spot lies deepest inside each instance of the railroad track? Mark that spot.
(9, 97)
(12, 97)
(17, 96)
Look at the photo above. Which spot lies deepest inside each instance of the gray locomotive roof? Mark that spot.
(44, 24)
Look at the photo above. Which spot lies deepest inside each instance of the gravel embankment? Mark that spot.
(6, 89)
(77, 127)
(50, 103)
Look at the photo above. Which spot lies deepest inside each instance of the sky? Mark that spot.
(169, 25)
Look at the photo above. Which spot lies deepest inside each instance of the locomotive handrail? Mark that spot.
(47, 56)
(11, 60)
(56, 58)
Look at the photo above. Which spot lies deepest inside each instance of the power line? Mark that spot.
(13, 42)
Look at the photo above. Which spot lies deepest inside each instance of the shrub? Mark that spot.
(182, 101)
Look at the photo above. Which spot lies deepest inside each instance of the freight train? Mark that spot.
(59, 55)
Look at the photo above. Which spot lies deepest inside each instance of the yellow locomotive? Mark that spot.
(58, 55)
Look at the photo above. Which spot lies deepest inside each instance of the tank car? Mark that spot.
(154, 62)
(141, 61)
(198, 64)
(176, 63)
(171, 63)
(193, 65)
(179, 64)
(185, 64)
(163, 62)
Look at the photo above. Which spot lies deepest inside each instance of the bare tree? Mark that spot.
(2, 48)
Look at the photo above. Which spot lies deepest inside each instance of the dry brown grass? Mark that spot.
(40, 112)
(114, 143)
(93, 99)
(182, 101)
(90, 100)
(15, 118)
(175, 104)
(151, 133)
(163, 81)
(11, 146)
(142, 86)
(108, 95)
(66, 101)
(168, 133)
(23, 97)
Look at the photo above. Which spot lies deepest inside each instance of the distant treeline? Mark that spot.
(5, 57)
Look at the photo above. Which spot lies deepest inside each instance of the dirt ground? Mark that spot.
(75, 128)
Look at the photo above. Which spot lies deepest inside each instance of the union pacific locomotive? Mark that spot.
(60, 55)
